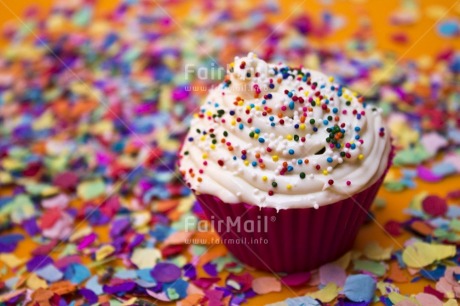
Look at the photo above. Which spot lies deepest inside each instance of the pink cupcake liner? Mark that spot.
(293, 240)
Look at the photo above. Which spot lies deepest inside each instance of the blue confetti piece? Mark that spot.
(434, 274)
(444, 169)
(93, 285)
(8, 243)
(449, 28)
(302, 300)
(179, 286)
(145, 275)
(453, 211)
(359, 288)
(50, 273)
(76, 273)
(125, 274)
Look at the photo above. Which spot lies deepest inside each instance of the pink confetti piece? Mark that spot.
(434, 205)
(296, 279)
(264, 285)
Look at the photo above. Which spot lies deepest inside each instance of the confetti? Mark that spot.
(264, 285)
(89, 144)
(359, 288)
(421, 254)
(326, 294)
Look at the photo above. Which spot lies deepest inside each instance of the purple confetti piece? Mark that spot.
(38, 262)
(166, 272)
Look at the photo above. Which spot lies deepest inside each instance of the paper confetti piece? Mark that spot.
(50, 273)
(428, 299)
(331, 273)
(145, 257)
(166, 272)
(396, 274)
(296, 279)
(305, 300)
(375, 252)
(422, 254)
(91, 189)
(359, 288)
(264, 285)
(375, 268)
(326, 294)
(434, 205)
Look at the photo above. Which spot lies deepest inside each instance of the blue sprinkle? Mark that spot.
(261, 140)
(330, 159)
(291, 105)
(299, 161)
(241, 126)
(254, 163)
(357, 128)
(291, 151)
(325, 122)
(335, 110)
(290, 168)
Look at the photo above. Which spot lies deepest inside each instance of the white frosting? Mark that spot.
(240, 117)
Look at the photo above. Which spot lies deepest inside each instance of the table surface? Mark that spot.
(423, 41)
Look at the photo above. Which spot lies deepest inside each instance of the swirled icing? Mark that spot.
(275, 136)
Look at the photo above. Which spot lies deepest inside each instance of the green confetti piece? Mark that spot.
(91, 189)
(374, 267)
(411, 156)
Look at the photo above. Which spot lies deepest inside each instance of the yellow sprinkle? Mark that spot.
(195, 115)
(246, 162)
(212, 146)
(306, 93)
(302, 126)
(205, 155)
(209, 113)
(232, 64)
(275, 158)
(264, 178)
(233, 122)
(289, 186)
(256, 136)
(257, 107)
(289, 137)
(331, 79)
(325, 172)
(240, 103)
(360, 156)
(248, 107)
(202, 138)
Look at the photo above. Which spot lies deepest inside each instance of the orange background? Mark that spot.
(423, 40)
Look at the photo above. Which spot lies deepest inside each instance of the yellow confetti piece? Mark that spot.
(80, 233)
(422, 254)
(45, 121)
(385, 287)
(375, 252)
(11, 260)
(104, 251)
(327, 294)
(344, 261)
(145, 257)
(34, 282)
(397, 298)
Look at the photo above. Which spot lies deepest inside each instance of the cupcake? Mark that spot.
(285, 163)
